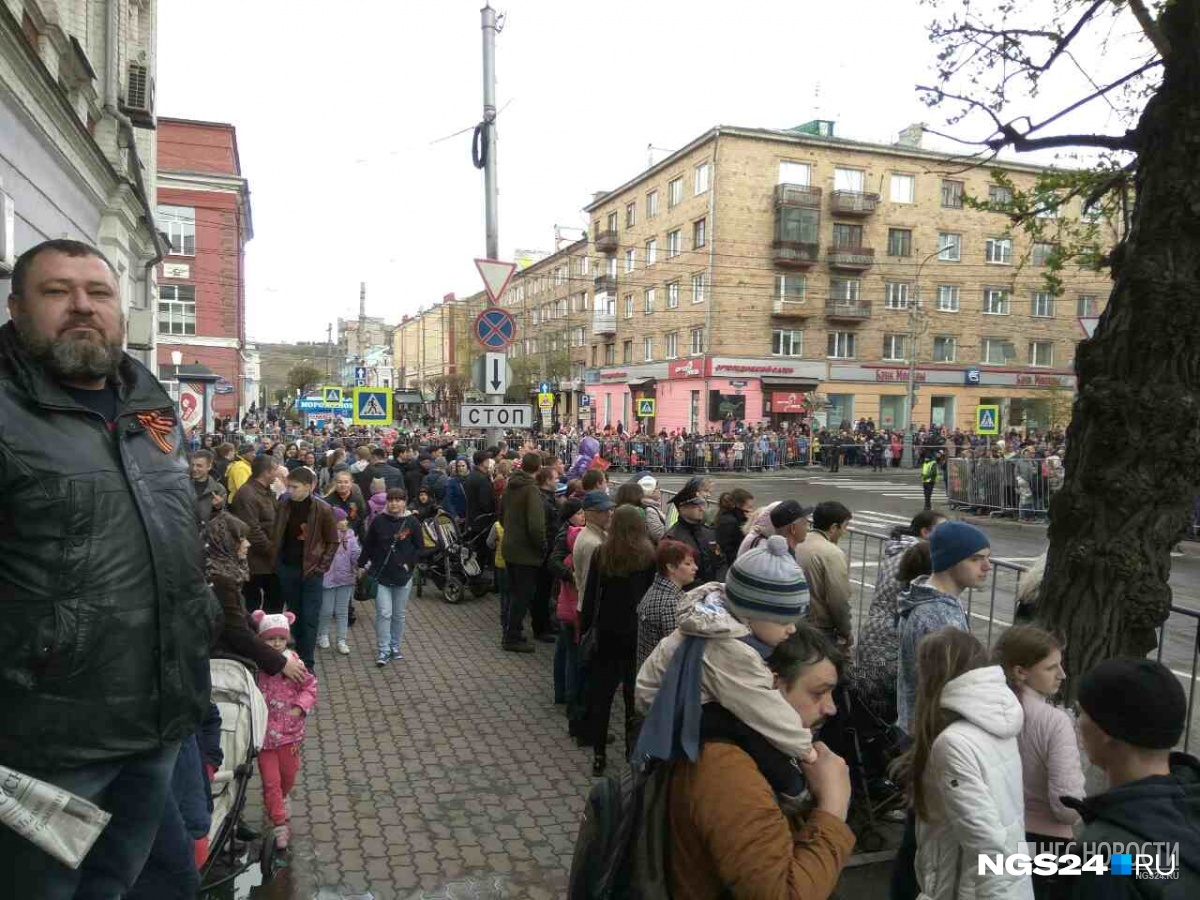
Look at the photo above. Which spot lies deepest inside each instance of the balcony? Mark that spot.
(607, 241)
(604, 322)
(606, 284)
(797, 195)
(848, 310)
(854, 203)
(794, 254)
(850, 257)
(791, 309)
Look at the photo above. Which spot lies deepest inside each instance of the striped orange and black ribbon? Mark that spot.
(161, 426)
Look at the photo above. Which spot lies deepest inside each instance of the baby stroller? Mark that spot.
(243, 727)
(868, 745)
(449, 558)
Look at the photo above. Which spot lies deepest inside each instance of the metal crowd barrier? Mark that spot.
(1020, 488)
(632, 454)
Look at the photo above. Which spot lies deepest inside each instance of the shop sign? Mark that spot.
(892, 375)
(1051, 381)
(613, 376)
(739, 383)
(788, 402)
(686, 368)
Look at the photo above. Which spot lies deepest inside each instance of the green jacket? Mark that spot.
(524, 522)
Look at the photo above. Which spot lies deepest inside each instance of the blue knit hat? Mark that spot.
(765, 584)
(952, 542)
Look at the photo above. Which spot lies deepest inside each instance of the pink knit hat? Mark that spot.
(273, 624)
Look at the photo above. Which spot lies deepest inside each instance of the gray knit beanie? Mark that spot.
(766, 584)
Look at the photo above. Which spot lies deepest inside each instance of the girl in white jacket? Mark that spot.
(963, 771)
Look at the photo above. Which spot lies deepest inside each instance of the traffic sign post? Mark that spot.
(495, 374)
(645, 408)
(372, 406)
(496, 275)
(332, 395)
(495, 328)
(500, 415)
(987, 419)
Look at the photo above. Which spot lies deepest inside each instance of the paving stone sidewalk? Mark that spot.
(446, 774)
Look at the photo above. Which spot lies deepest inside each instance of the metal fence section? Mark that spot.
(1019, 488)
(690, 456)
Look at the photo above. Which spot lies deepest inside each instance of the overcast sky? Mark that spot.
(338, 108)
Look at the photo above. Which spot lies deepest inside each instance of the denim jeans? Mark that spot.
(303, 597)
(335, 601)
(566, 662)
(170, 871)
(134, 790)
(391, 606)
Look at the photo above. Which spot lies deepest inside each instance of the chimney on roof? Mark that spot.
(912, 135)
(596, 195)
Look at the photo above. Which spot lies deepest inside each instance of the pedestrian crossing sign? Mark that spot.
(987, 420)
(332, 395)
(645, 408)
(372, 406)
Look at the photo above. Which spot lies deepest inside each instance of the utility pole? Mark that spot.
(491, 191)
(329, 351)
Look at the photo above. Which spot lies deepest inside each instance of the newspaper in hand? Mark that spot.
(63, 825)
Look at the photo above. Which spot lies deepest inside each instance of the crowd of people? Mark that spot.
(127, 562)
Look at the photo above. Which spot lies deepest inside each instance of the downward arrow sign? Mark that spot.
(495, 374)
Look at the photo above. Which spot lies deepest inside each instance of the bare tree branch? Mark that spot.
(1150, 27)
(1011, 138)
(1098, 93)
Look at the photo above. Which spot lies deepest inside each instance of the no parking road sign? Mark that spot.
(495, 328)
(987, 420)
(372, 406)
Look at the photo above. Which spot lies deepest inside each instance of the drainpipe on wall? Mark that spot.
(712, 293)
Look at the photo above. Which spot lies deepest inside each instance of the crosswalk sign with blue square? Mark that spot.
(372, 406)
(987, 419)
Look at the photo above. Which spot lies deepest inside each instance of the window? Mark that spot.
(697, 341)
(797, 224)
(560, 276)
(651, 204)
(176, 309)
(673, 295)
(899, 242)
(847, 237)
(587, 265)
(577, 338)
(893, 347)
(611, 266)
(699, 287)
(672, 345)
(612, 221)
(1043, 304)
(179, 222)
(949, 247)
(629, 306)
(995, 301)
(896, 295)
(627, 352)
(610, 354)
(651, 252)
(1085, 305)
(630, 215)
(848, 180)
(904, 188)
(699, 234)
(996, 351)
(999, 196)
(999, 250)
(648, 349)
(1042, 252)
(701, 178)
(947, 300)
(562, 308)
(674, 243)
(841, 345)
(791, 288)
(1047, 205)
(786, 342)
(630, 259)
(944, 348)
(583, 301)
(674, 192)
(844, 290)
(794, 173)
(952, 194)
(594, 349)
(648, 301)
(1041, 353)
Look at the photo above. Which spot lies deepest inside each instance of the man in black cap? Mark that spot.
(692, 530)
(790, 521)
(1132, 712)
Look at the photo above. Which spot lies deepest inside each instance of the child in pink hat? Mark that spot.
(288, 704)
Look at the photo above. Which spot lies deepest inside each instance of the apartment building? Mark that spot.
(770, 275)
(204, 211)
(78, 140)
(432, 352)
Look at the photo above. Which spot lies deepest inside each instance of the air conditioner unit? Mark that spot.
(139, 96)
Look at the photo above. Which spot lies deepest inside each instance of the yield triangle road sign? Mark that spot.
(496, 276)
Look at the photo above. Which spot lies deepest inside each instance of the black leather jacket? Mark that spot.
(105, 616)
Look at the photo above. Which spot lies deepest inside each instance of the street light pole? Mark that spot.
(917, 324)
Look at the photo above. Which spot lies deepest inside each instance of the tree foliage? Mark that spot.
(303, 377)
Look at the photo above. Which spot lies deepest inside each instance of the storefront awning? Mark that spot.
(641, 382)
(787, 381)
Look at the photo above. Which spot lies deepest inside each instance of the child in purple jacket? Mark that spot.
(339, 585)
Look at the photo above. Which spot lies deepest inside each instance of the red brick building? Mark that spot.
(204, 209)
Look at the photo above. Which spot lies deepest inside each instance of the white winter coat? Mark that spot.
(974, 793)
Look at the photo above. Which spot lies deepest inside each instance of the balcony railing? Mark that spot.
(797, 195)
(607, 241)
(850, 310)
(604, 322)
(606, 284)
(794, 253)
(798, 309)
(851, 257)
(854, 203)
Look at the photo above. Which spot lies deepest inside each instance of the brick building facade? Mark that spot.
(204, 210)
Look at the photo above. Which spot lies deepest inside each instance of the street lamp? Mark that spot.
(916, 327)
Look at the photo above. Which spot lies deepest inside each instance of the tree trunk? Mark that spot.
(1133, 446)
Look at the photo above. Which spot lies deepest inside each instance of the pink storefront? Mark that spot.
(699, 392)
